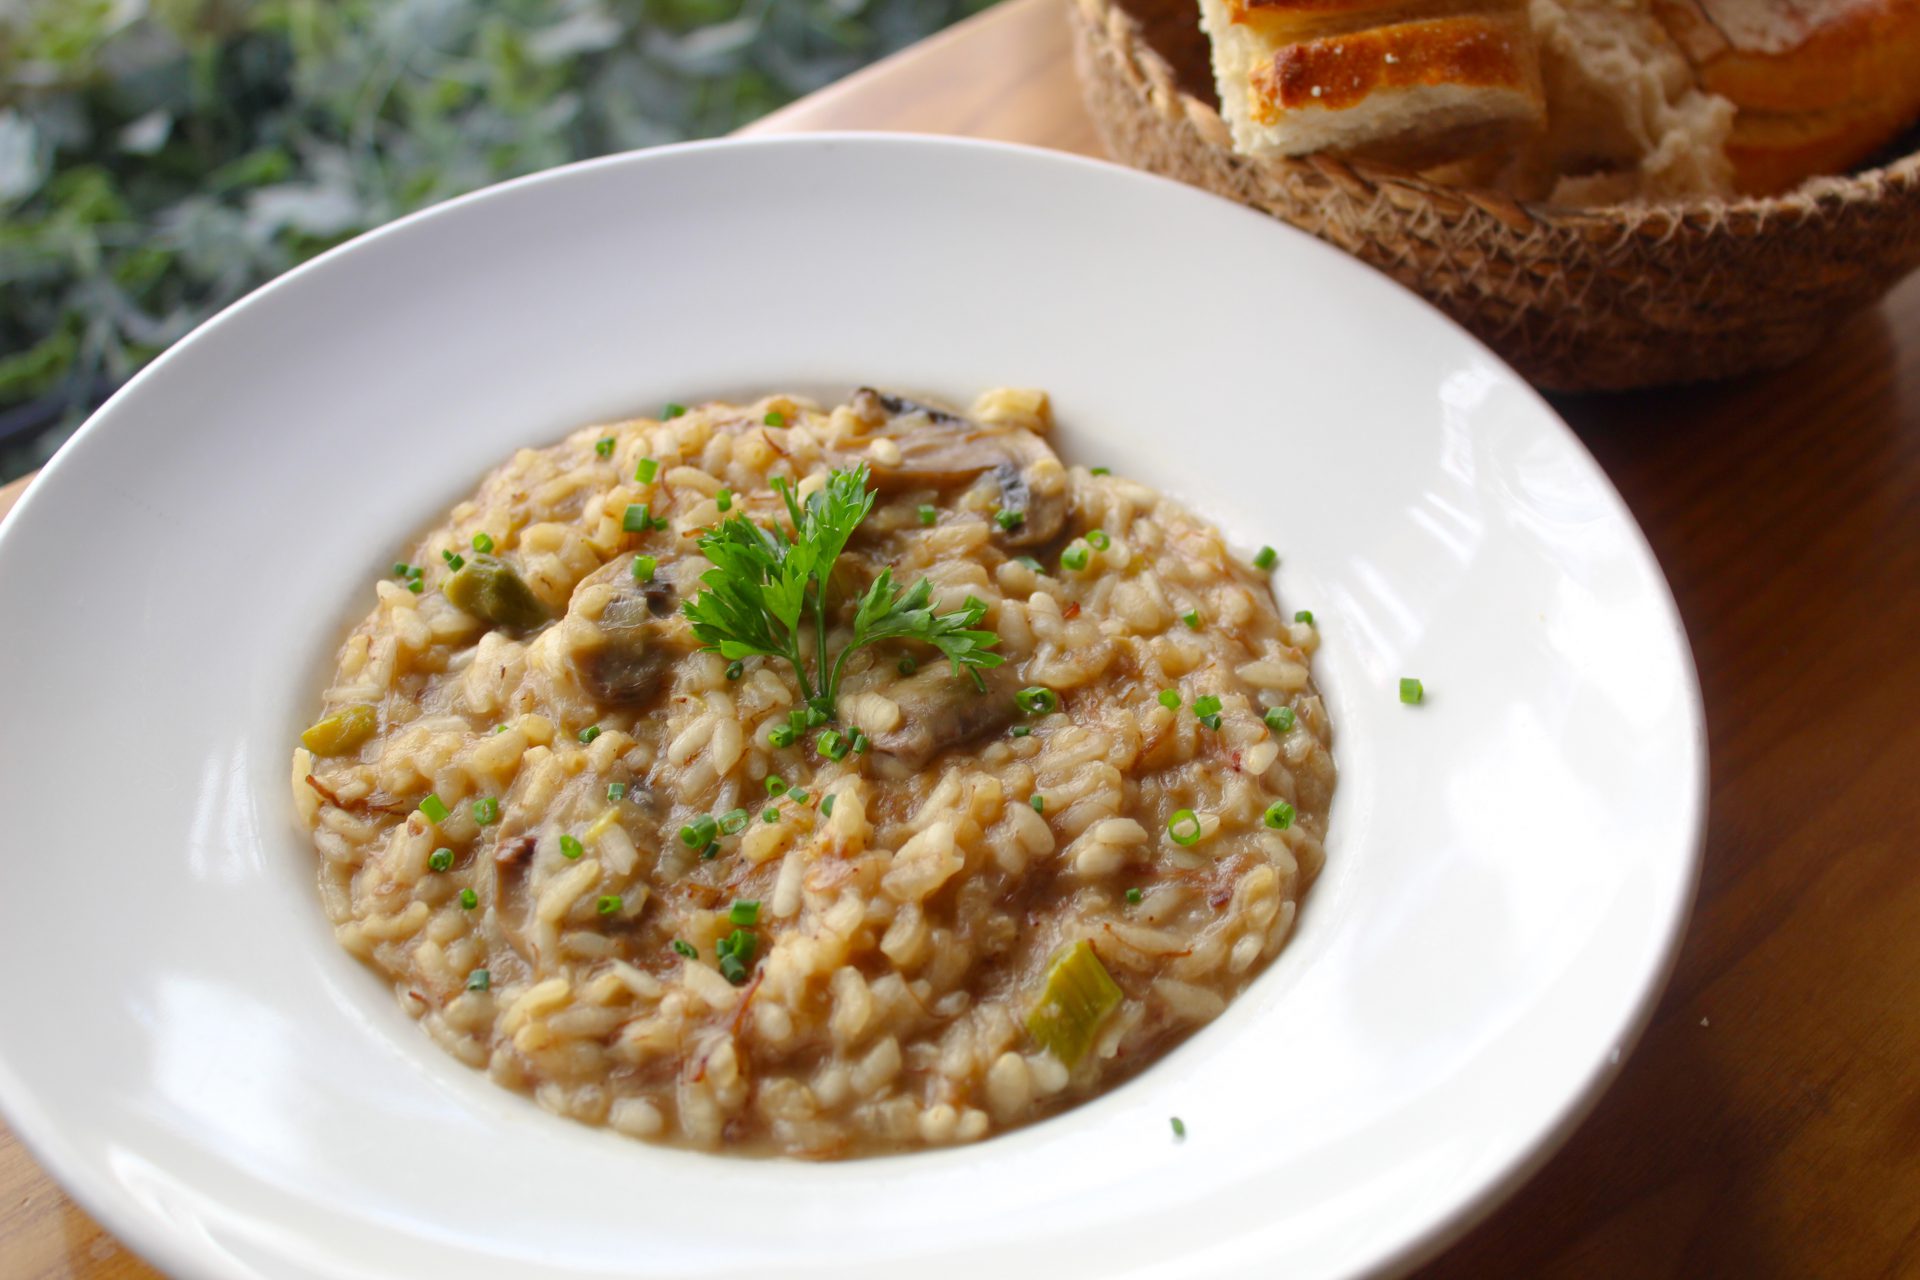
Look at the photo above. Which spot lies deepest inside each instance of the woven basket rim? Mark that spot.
(1865, 185)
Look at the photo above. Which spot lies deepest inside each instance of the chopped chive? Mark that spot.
(711, 851)
(1170, 699)
(1074, 558)
(416, 586)
(1207, 708)
(479, 980)
(1037, 700)
(589, 733)
(486, 811)
(739, 944)
(673, 411)
(744, 911)
(1305, 615)
(832, 744)
(1279, 815)
(1031, 563)
(1192, 618)
(440, 859)
(1039, 803)
(815, 717)
(1179, 1129)
(797, 796)
(604, 446)
(608, 904)
(1098, 539)
(724, 499)
(616, 792)
(570, 847)
(1411, 690)
(1184, 827)
(1279, 719)
(928, 514)
(734, 821)
(482, 543)
(469, 899)
(659, 522)
(447, 556)
(1009, 519)
(646, 471)
(732, 970)
(775, 418)
(826, 806)
(781, 736)
(414, 571)
(456, 563)
(685, 949)
(776, 785)
(434, 807)
(1265, 558)
(1022, 730)
(637, 518)
(1099, 471)
(736, 669)
(797, 721)
(1134, 896)
(906, 666)
(769, 815)
(399, 568)
(644, 568)
(699, 832)
(860, 742)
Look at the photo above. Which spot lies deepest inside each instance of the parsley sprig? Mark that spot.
(767, 587)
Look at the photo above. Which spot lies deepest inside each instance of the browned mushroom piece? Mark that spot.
(623, 656)
(942, 450)
(939, 710)
(503, 883)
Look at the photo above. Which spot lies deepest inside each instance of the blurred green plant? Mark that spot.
(159, 158)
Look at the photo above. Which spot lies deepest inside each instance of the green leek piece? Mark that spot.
(342, 732)
(1080, 994)
(489, 589)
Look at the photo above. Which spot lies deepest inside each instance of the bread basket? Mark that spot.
(1577, 299)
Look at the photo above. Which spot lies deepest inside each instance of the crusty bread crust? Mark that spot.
(1282, 20)
(1337, 72)
(1774, 152)
(1818, 88)
(1416, 92)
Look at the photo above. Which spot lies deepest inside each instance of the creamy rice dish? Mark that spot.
(783, 779)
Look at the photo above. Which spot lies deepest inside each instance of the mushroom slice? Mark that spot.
(942, 450)
(622, 653)
(938, 711)
(506, 869)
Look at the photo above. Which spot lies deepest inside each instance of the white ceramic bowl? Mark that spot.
(1510, 864)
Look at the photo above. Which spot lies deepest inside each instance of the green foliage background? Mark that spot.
(159, 158)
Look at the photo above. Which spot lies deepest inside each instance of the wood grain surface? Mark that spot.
(1769, 1123)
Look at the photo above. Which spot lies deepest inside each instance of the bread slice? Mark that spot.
(1775, 151)
(1626, 120)
(1819, 87)
(1298, 76)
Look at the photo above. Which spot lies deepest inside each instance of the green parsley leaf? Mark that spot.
(767, 586)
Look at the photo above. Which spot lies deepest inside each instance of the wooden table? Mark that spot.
(1769, 1123)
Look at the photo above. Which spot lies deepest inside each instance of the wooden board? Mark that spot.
(1769, 1124)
